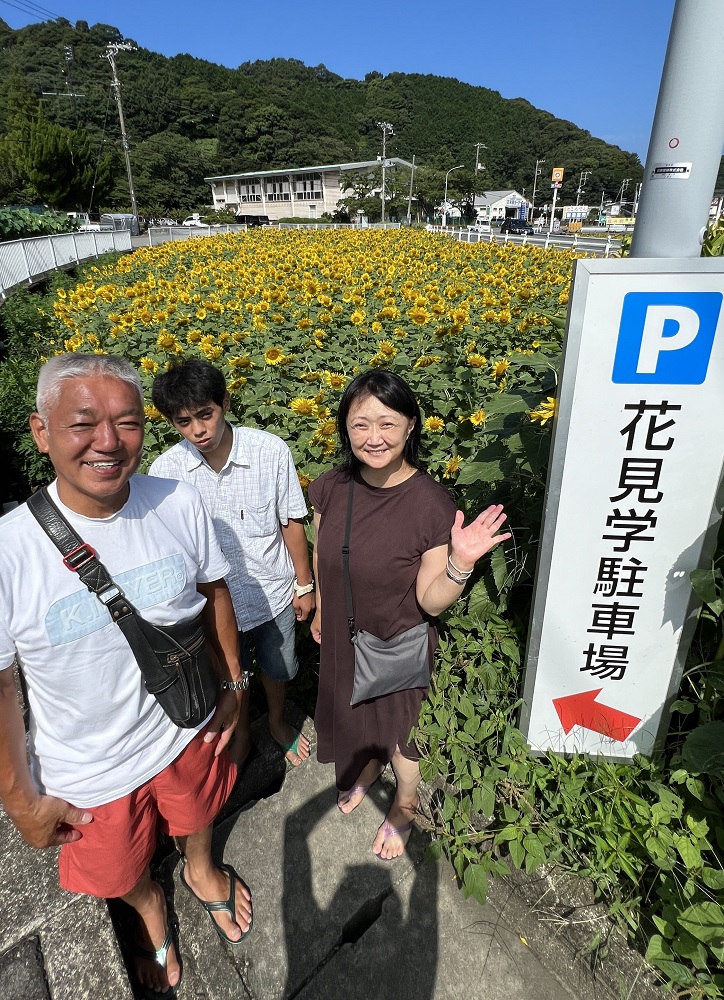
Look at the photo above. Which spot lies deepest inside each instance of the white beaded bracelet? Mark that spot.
(460, 572)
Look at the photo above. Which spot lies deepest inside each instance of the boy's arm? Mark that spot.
(223, 634)
(295, 539)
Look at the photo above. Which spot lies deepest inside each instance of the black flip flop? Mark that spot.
(225, 906)
(159, 956)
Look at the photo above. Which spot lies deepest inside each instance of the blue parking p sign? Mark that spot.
(666, 337)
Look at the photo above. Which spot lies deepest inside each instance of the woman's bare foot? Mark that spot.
(392, 836)
(348, 801)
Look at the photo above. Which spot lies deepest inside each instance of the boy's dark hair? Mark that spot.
(393, 391)
(187, 385)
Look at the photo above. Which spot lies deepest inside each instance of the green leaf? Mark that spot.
(713, 878)
(475, 883)
(703, 749)
(433, 851)
(688, 852)
(517, 853)
(480, 472)
(705, 922)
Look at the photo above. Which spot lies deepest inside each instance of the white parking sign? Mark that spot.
(632, 504)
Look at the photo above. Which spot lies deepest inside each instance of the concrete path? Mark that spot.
(330, 920)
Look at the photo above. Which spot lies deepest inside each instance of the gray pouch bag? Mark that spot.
(385, 666)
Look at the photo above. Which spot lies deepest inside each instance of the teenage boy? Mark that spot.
(248, 482)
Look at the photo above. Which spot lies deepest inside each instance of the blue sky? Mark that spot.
(598, 65)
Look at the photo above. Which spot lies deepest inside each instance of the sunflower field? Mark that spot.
(289, 317)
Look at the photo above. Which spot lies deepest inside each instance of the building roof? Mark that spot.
(493, 197)
(363, 165)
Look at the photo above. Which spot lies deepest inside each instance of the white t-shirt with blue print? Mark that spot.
(95, 732)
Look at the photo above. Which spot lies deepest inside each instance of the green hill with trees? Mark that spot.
(187, 118)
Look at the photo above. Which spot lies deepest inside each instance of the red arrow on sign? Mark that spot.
(583, 710)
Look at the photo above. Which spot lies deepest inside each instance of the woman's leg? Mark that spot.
(347, 801)
(402, 811)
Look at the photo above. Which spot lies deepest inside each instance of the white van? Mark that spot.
(119, 221)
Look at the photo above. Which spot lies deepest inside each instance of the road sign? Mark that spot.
(632, 499)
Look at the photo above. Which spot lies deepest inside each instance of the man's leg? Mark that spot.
(212, 885)
(148, 900)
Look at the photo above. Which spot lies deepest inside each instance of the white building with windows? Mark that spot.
(304, 192)
(498, 205)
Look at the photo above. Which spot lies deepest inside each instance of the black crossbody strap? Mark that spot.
(79, 557)
(345, 563)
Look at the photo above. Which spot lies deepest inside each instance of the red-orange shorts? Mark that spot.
(118, 845)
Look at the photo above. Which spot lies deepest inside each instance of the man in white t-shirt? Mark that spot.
(248, 482)
(105, 768)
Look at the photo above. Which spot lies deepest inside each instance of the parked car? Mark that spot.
(253, 220)
(84, 223)
(516, 227)
(483, 226)
(194, 220)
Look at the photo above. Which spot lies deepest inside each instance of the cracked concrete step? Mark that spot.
(53, 944)
(331, 920)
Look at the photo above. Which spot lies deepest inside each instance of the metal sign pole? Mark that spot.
(687, 136)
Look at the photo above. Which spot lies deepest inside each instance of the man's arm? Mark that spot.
(295, 540)
(223, 634)
(42, 820)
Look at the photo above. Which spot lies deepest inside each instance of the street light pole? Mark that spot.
(478, 147)
(444, 200)
(386, 129)
(536, 175)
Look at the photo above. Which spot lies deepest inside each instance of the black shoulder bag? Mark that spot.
(173, 659)
(382, 666)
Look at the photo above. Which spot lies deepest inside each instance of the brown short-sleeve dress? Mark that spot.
(391, 529)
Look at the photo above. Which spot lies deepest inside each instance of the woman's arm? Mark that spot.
(316, 626)
(445, 570)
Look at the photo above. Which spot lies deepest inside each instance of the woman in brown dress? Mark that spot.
(409, 560)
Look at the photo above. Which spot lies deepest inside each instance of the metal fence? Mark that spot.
(27, 261)
(162, 234)
(596, 247)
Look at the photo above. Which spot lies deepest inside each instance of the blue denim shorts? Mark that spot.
(273, 642)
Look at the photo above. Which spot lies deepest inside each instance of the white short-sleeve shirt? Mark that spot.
(257, 490)
(95, 733)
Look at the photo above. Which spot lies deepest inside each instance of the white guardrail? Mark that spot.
(596, 247)
(27, 261)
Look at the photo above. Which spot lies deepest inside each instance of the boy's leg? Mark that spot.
(277, 658)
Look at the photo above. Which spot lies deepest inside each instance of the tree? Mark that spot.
(60, 164)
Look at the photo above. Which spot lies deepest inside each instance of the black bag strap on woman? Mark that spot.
(345, 562)
(173, 659)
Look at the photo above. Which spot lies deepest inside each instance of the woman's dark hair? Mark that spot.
(391, 390)
(188, 385)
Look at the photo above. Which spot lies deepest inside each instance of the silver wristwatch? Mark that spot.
(306, 589)
(240, 685)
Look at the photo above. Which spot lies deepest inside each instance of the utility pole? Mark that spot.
(686, 138)
(585, 174)
(386, 129)
(536, 175)
(409, 198)
(111, 51)
(478, 147)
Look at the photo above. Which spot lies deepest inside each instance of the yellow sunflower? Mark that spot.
(434, 424)
(545, 411)
(273, 355)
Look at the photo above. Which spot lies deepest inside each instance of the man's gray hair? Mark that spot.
(73, 365)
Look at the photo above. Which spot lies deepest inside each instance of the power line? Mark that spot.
(27, 7)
